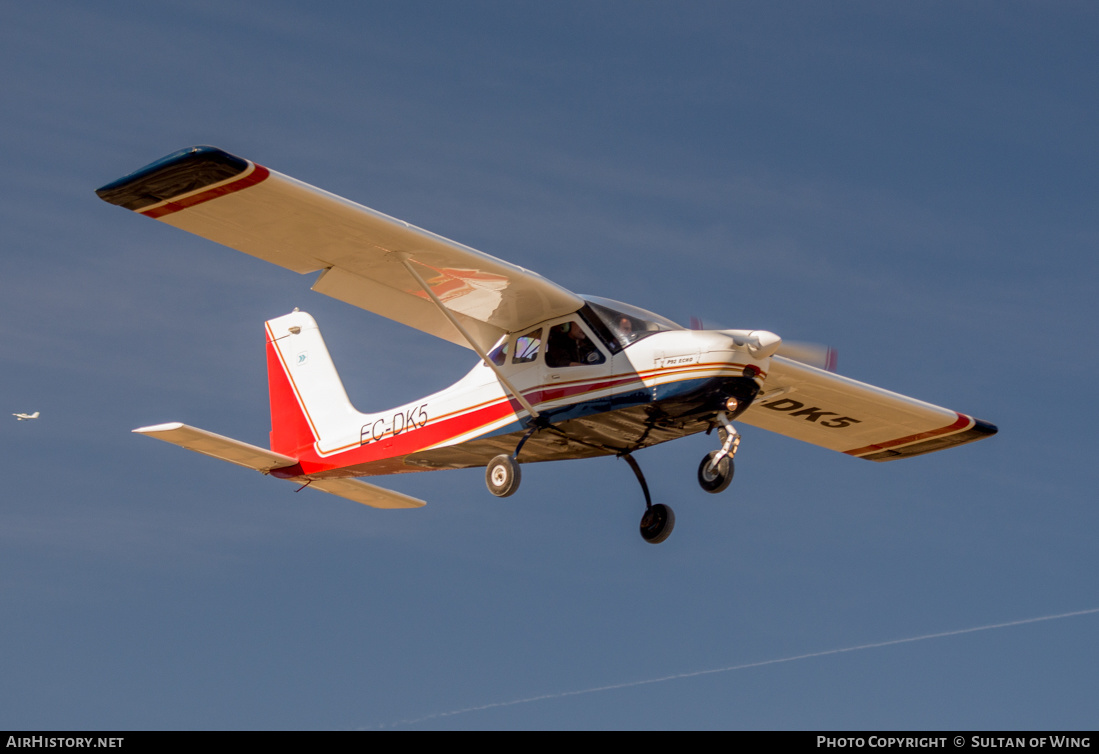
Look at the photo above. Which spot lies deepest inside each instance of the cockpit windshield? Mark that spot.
(629, 323)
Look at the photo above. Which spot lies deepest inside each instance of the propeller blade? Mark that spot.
(814, 354)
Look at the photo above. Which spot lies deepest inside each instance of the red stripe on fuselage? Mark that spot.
(545, 394)
(410, 441)
(246, 180)
(440, 430)
(963, 422)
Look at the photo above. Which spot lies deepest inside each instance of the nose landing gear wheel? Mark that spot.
(718, 478)
(502, 476)
(657, 524)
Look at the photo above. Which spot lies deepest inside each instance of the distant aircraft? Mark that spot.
(560, 376)
(25, 417)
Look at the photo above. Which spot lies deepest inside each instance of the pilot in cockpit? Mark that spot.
(569, 346)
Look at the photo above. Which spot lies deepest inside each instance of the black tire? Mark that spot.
(657, 524)
(502, 476)
(717, 480)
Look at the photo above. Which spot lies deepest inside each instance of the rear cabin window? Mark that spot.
(499, 354)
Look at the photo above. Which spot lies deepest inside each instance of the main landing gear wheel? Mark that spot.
(657, 523)
(502, 476)
(715, 479)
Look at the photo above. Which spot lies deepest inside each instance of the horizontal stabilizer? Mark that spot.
(367, 494)
(218, 446)
(267, 461)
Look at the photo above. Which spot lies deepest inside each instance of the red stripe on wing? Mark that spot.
(257, 175)
(963, 422)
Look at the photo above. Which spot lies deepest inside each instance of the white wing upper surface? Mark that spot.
(861, 420)
(248, 207)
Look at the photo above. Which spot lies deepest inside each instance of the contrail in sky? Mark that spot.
(731, 668)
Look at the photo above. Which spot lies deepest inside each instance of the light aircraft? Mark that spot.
(25, 417)
(560, 375)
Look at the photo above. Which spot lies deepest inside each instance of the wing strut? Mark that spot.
(469, 338)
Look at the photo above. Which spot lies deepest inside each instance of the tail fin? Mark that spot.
(309, 406)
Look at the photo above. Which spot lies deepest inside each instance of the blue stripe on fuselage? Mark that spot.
(615, 402)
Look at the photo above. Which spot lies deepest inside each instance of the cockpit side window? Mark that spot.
(526, 347)
(570, 346)
(599, 327)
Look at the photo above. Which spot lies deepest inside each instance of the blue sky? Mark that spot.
(914, 184)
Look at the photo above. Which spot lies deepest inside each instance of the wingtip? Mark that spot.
(983, 427)
(183, 171)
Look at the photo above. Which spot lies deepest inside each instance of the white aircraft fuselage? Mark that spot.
(665, 385)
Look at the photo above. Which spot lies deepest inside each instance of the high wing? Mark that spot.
(270, 462)
(861, 420)
(248, 207)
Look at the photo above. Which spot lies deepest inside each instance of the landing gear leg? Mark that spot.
(716, 470)
(659, 520)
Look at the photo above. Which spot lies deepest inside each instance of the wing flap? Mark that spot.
(854, 418)
(235, 202)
